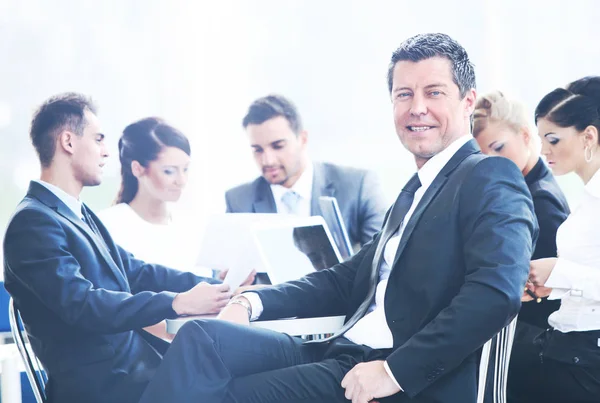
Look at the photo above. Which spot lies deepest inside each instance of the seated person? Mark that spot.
(564, 366)
(445, 274)
(84, 300)
(291, 183)
(501, 128)
(155, 159)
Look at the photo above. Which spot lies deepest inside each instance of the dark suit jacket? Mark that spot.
(551, 209)
(357, 191)
(84, 306)
(457, 278)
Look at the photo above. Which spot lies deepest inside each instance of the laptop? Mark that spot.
(333, 217)
(292, 248)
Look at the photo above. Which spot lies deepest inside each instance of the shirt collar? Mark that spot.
(593, 186)
(303, 186)
(71, 202)
(434, 165)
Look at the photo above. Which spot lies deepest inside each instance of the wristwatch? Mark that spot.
(243, 301)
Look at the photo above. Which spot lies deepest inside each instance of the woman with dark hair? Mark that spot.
(155, 158)
(566, 365)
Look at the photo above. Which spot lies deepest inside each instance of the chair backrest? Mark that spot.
(497, 352)
(35, 372)
(4, 299)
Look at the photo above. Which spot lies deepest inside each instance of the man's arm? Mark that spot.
(371, 207)
(498, 229)
(48, 270)
(322, 293)
(156, 278)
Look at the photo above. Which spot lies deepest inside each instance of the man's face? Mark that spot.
(279, 152)
(89, 152)
(429, 113)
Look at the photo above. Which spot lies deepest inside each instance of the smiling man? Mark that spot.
(292, 183)
(444, 275)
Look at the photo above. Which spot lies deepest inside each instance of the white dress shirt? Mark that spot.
(576, 277)
(302, 187)
(70, 201)
(372, 329)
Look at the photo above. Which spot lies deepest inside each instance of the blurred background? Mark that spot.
(199, 64)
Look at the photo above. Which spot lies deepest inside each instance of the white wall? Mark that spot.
(200, 64)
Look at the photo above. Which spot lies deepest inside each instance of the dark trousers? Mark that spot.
(215, 361)
(554, 367)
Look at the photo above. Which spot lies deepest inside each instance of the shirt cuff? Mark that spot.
(559, 293)
(255, 303)
(560, 276)
(389, 372)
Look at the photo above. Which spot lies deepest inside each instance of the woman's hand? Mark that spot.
(540, 270)
(249, 280)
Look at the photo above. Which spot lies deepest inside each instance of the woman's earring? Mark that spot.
(585, 154)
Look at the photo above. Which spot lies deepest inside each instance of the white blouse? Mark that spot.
(175, 245)
(576, 277)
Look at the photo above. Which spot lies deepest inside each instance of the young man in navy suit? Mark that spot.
(83, 299)
(444, 275)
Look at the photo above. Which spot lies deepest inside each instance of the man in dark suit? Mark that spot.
(292, 183)
(83, 299)
(444, 275)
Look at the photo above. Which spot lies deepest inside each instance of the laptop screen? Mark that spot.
(290, 252)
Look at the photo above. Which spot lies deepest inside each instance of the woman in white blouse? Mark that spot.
(155, 158)
(567, 368)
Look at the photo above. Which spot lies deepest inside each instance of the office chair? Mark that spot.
(35, 372)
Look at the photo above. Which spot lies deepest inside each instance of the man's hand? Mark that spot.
(235, 313)
(540, 269)
(367, 381)
(203, 299)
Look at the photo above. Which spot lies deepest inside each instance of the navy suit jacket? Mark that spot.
(357, 191)
(456, 280)
(83, 305)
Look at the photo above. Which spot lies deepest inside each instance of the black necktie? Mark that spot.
(395, 218)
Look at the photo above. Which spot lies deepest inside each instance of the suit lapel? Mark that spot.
(467, 149)
(48, 198)
(263, 198)
(104, 250)
(321, 186)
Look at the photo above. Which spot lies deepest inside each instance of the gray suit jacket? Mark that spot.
(357, 191)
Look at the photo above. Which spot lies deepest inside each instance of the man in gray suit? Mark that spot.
(292, 183)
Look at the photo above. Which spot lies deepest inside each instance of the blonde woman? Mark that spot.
(501, 128)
